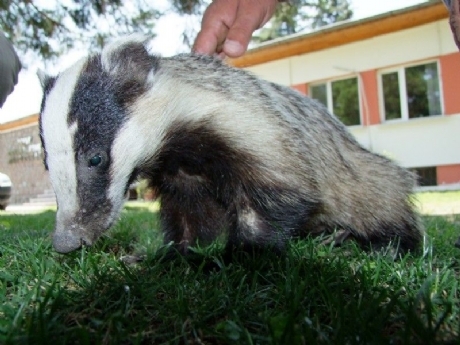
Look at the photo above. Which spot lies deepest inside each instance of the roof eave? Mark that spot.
(343, 33)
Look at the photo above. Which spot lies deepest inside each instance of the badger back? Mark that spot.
(82, 112)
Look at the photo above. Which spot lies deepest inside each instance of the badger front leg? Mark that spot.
(191, 219)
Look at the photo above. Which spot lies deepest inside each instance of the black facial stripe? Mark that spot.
(98, 115)
(49, 84)
(95, 107)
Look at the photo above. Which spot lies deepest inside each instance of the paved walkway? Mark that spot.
(28, 208)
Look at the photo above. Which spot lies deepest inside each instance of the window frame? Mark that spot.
(329, 97)
(400, 70)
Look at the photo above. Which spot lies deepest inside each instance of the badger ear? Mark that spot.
(129, 61)
(43, 77)
(46, 81)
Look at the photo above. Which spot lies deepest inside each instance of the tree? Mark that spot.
(298, 15)
(50, 30)
(331, 11)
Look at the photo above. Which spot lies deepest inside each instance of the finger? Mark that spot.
(210, 39)
(250, 17)
(217, 19)
(455, 21)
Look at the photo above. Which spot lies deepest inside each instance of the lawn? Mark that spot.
(315, 294)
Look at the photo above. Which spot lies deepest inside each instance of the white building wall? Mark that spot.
(430, 141)
(420, 142)
(423, 42)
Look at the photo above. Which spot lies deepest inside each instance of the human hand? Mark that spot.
(227, 26)
(454, 9)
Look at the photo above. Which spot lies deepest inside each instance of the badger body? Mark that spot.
(226, 152)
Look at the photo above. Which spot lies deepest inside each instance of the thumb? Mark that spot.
(251, 16)
(240, 34)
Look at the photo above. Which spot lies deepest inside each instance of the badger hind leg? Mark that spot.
(402, 230)
(266, 220)
(249, 232)
(404, 236)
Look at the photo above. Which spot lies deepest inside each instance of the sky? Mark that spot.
(26, 97)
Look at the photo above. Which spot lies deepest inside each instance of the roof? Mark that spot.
(14, 124)
(343, 33)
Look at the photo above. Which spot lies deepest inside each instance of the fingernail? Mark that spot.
(221, 55)
(233, 48)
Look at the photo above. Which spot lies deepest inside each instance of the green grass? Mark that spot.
(315, 294)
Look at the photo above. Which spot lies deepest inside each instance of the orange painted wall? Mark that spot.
(450, 76)
(302, 88)
(370, 111)
(448, 174)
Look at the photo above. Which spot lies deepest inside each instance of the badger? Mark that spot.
(227, 152)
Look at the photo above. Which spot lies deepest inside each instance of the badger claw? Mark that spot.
(337, 238)
(132, 259)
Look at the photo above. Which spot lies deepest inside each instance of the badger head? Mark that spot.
(83, 112)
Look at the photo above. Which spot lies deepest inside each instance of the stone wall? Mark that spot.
(21, 159)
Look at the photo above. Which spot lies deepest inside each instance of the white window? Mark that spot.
(341, 97)
(410, 92)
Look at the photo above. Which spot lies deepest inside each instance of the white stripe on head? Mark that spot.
(140, 137)
(126, 154)
(58, 140)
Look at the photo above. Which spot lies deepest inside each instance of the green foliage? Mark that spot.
(331, 11)
(295, 16)
(190, 6)
(422, 84)
(345, 100)
(391, 95)
(315, 294)
(51, 28)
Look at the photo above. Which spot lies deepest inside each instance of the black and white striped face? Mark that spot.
(83, 112)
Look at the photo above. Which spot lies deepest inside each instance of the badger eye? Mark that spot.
(95, 160)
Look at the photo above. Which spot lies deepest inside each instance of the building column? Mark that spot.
(450, 77)
(369, 98)
(302, 88)
(448, 174)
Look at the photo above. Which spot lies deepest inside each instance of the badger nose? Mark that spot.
(66, 242)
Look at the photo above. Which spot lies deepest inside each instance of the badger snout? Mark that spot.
(67, 241)
(69, 236)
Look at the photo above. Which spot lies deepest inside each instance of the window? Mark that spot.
(411, 92)
(426, 176)
(341, 97)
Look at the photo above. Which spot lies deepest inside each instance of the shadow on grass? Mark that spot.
(299, 298)
(312, 294)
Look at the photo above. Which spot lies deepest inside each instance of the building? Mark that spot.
(21, 159)
(391, 78)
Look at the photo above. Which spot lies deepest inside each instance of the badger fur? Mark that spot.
(226, 151)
